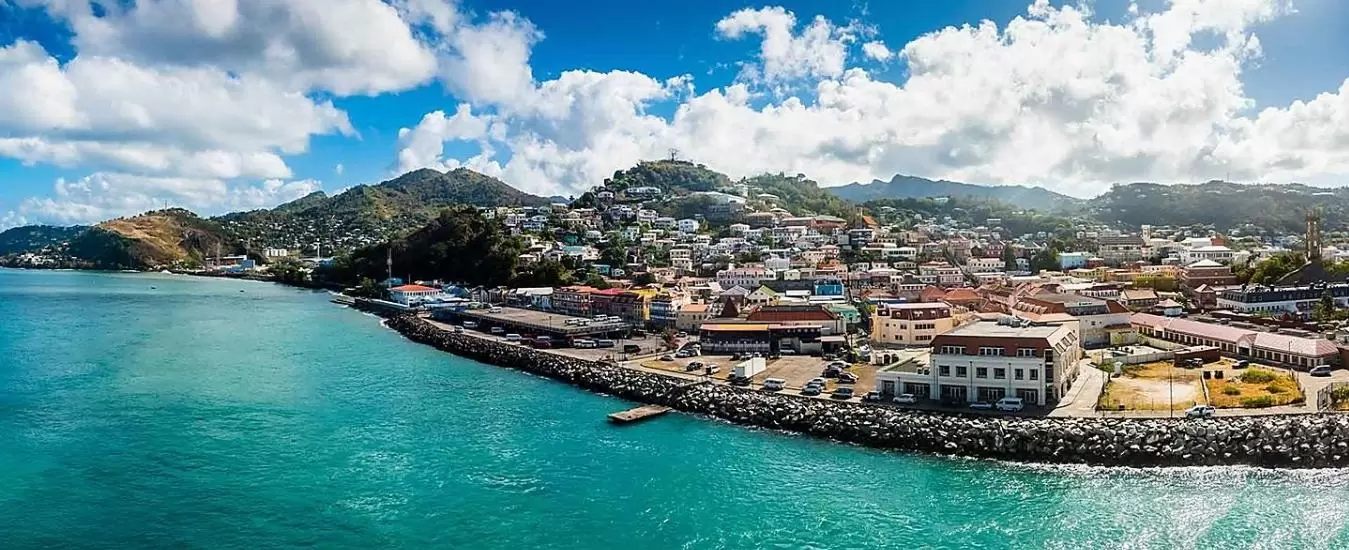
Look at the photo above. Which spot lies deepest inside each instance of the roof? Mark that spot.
(1222, 333)
(1312, 347)
(1204, 263)
(989, 328)
(414, 288)
(735, 327)
(1168, 303)
(693, 308)
(776, 315)
(961, 295)
(1139, 294)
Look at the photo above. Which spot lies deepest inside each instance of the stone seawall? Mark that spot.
(1282, 441)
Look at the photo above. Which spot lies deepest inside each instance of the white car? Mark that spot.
(1010, 404)
(817, 381)
(1200, 411)
(905, 399)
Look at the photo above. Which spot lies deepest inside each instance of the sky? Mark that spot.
(113, 107)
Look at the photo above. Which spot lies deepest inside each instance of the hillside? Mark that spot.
(459, 244)
(1279, 208)
(911, 187)
(34, 238)
(670, 176)
(368, 214)
(799, 195)
(162, 238)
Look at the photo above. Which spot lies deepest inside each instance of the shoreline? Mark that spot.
(1291, 441)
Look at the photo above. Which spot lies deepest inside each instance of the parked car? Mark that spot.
(583, 343)
(667, 357)
(494, 310)
(470, 325)
(1243, 364)
(842, 393)
(458, 330)
(681, 334)
(739, 380)
(735, 356)
(693, 366)
(1320, 370)
(774, 384)
(632, 348)
(604, 343)
(810, 390)
(847, 377)
(831, 372)
(1010, 404)
(513, 337)
(871, 396)
(683, 353)
(982, 406)
(787, 352)
(1200, 411)
(497, 330)
(711, 369)
(817, 381)
(905, 399)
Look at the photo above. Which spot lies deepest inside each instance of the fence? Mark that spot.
(1325, 397)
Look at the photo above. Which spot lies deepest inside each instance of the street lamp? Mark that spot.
(1170, 390)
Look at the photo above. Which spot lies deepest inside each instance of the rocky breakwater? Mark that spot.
(1281, 441)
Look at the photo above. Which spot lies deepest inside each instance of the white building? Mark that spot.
(410, 294)
(748, 277)
(275, 253)
(687, 225)
(1220, 254)
(985, 265)
(989, 360)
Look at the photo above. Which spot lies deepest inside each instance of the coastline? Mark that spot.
(1293, 441)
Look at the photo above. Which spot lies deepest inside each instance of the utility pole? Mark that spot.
(674, 154)
(1171, 390)
(389, 261)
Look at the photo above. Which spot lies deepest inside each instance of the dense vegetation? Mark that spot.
(1255, 208)
(670, 176)
(800, 195)
(33, 238)
(910, 187)
(368, 214)
(1014, 221)
(460, 245)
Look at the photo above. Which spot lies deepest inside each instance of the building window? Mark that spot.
(1049, 374)
(945, 370)
(1034, 374)
(981, 372)
(1025, 352)
(1019, 374)
(953, 350)
(1000, 374)
(990, 351)
(962, 372)
(924, 337)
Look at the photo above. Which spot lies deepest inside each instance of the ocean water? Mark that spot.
(157, 411)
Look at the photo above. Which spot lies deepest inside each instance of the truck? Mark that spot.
(747, 369)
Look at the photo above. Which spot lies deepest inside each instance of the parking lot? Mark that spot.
(796, 370)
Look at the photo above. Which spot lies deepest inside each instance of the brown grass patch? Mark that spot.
(1253, 388)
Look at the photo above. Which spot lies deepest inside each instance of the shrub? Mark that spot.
(1231, 390)
(1258, 376)
(1258, 402)
(1276, 388)
(1340, 393)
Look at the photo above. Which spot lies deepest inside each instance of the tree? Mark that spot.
(1008, 259)
(596, 281)
(460, 245)
(1044, 260)
(547, 273)
(644, 278)
(289, 271)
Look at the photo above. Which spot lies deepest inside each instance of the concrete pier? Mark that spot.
(638, 414)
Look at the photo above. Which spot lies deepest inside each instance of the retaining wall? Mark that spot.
(1294, 440)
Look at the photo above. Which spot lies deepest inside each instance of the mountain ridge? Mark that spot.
(903, 186)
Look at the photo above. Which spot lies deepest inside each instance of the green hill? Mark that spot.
(1279, 208)
(912, 187)
(34, 238)
(368, 214)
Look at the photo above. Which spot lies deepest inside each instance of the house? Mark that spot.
(410, 295)
(906, 324)
(800, 314)
(748, 277)
(762, 295)
(687, 225)
(1139, 298)
(988, 360)
(1220, 254)
(664, 310)
(574, 300)
(1121, 249)
(1285, 349)
(691, 316)
(1295, 300)
(765, 338)
(1206, 272)
(1100, 322)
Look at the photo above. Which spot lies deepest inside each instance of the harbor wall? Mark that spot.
(1277, 441)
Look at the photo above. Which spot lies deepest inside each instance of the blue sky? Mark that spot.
(106, 116)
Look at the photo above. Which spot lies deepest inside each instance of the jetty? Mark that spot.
(638, 414)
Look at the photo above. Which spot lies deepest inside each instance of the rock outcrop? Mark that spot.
(1281, 441)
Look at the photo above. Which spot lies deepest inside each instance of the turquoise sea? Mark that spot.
(158, 411)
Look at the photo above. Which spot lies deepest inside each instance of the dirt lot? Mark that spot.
(1151, 386)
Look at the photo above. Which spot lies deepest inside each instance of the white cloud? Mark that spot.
(339, 169)
(1053, 98)
(877, 50)
(104, 195)
(343, 46)
(820, 50)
